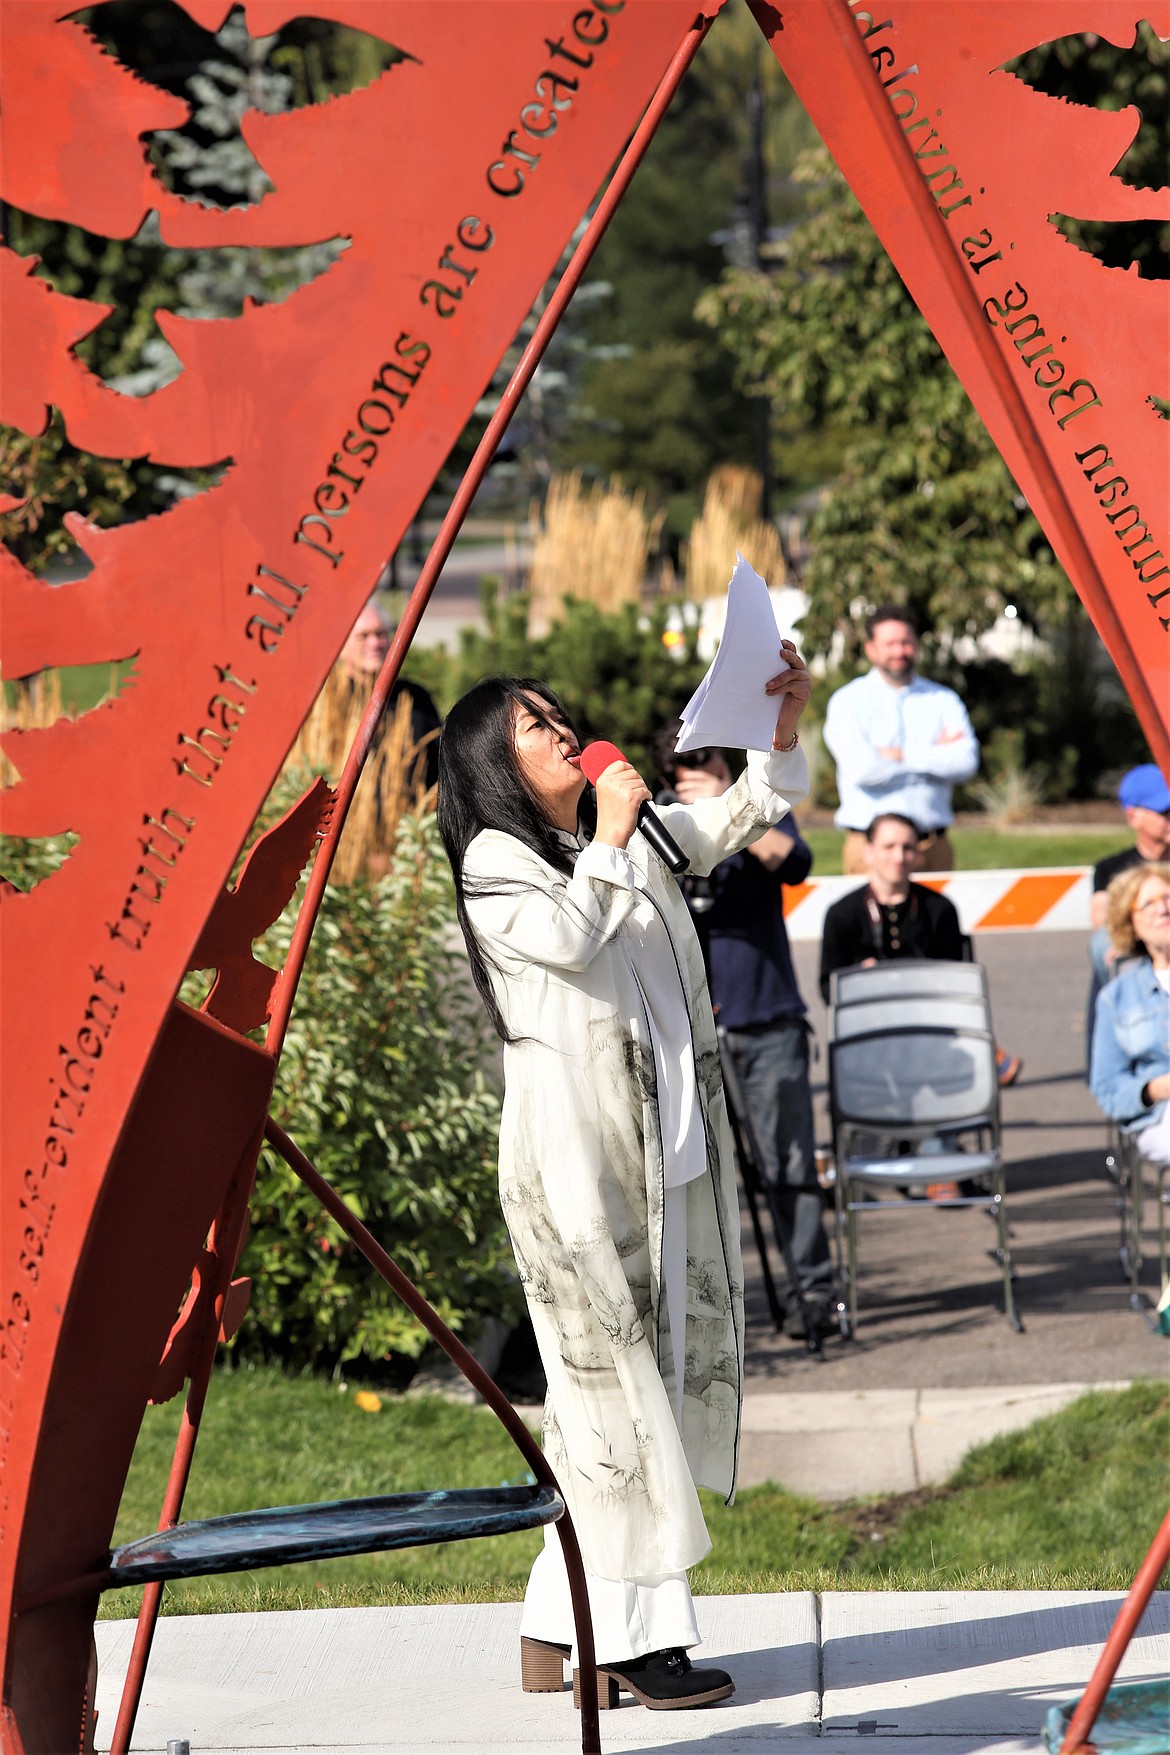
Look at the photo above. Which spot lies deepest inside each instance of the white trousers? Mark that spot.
(1153, 1142)
(631, 1616)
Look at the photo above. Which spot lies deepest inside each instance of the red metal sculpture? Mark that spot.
(456, 178)
(964, 169)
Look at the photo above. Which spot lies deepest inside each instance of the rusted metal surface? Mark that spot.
(959, 166)
(336, 409)
(456, 178)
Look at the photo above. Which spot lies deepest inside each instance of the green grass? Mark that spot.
(994, 849)
(83, 685)
(1071, 1503)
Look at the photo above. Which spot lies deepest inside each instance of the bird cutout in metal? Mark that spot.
(276, 274)
(243, 985)
(246, 70)
(1073, 70)
(26, 521)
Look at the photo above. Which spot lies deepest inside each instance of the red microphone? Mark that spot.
(595, 759)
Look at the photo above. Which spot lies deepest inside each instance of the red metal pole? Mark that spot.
(492, 1395)
(1120, 1634)
(285, 992)
(226, 1242)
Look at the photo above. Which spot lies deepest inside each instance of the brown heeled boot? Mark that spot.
(542, 1665)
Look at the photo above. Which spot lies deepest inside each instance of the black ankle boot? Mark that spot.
(664, 1681)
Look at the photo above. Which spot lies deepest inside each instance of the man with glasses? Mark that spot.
(901, 745)
(363, 656)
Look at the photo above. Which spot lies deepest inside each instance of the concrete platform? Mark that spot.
(958, 1672)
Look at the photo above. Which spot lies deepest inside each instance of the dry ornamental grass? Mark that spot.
(591, 543)
(35, 706)
(730, 520)
(393, 781)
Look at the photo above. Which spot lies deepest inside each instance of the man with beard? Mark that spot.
(901, 745)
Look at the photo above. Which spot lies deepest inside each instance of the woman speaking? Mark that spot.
(616, 1173)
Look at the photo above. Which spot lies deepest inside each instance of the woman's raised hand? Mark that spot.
(793, 687)
(620, 791)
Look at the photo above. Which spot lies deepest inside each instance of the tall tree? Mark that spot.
(657, 402)
(924, 510)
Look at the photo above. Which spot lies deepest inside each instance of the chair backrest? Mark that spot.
(896, 1013)
(909, 979)
(922, 1076)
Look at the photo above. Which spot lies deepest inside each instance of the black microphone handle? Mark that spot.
(660, 838)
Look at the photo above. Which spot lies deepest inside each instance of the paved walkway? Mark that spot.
(849, 1444)
(933, 1370)
(930, 1291)
(941, 1674)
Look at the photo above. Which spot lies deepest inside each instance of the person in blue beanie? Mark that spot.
(1144, 796)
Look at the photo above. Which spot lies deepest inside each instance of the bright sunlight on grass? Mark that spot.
(1071, 1503)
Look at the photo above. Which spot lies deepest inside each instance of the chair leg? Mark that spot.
(851, 1238)
(1005, 1256)
(1160, 1186)
(839, 1198)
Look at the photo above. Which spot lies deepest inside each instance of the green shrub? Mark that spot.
(612, 669)
(382, 1085)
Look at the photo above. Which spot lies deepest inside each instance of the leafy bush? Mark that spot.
(383, 1085)
(612, 670)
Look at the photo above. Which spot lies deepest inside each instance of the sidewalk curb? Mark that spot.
(858, 1443)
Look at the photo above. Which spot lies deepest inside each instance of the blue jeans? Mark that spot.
(772, 1064)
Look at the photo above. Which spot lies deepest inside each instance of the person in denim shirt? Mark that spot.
(1130, 1070)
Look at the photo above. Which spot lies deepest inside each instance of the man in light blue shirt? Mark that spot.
(901, 744)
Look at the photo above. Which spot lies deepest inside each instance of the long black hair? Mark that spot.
(481, 787)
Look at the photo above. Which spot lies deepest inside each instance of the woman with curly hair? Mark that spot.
(1130, 1069)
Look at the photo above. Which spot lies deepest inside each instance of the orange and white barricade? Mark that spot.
(1054, 899)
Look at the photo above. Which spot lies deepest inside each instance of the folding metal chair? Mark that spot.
(914, 978)
(1132, 1173)
(907, 1068)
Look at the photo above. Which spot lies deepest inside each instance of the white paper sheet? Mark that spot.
(729, 708)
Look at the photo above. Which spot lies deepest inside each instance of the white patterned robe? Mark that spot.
(582, 1174)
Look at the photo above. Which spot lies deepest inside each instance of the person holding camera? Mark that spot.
(739, 916)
